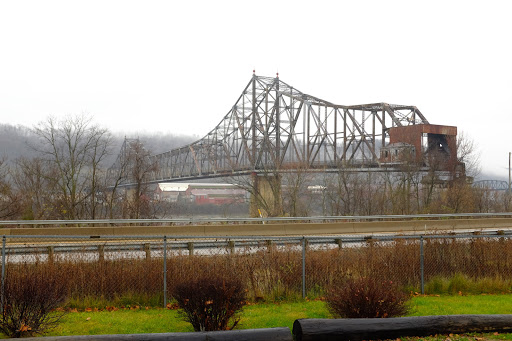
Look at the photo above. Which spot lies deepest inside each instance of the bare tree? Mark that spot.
(101, 142)
(139, 165)
(264, 188)
(111, 193)
(409, 182)
(35, 180)
(467, 153)
(431, 184)
(74, 148)
(297, 199)
(116, 175)
(341, 192)
(10, 201)
(459, 195)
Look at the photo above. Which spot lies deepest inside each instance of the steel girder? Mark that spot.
(273, 126)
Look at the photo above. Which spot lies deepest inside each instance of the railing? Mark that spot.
(185, 221)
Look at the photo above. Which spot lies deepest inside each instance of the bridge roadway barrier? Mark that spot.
(264, 334)
(273, 229)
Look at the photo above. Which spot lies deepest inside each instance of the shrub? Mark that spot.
(437, 285)
(30, 300)
(367, 297)
(459, 283)
(211, 303)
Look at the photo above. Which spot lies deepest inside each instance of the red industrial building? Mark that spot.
(421, 143)
(201, 193)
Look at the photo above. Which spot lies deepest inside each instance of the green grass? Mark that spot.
(281, 314)
(265, 315)
(452, 305)
(122, 322)
(268, 315)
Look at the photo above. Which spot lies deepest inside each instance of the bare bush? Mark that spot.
(211, 303)
(367, 297)
(29, 303)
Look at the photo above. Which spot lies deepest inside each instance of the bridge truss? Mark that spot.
(273, 126)
(495, 185)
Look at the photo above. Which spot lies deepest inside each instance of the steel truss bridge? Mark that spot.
(495, 185)
(275, 127)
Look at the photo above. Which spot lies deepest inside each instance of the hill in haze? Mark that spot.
(16, 141)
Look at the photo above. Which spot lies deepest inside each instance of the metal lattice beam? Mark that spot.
(275, 126)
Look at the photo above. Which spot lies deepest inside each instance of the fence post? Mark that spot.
(147, 250)
(422, 266)
(50, 254)
(165, 272)
(269, 245)
(3, 274)
(101, 253)
(304, 267)
(190, 246)
(231, 245)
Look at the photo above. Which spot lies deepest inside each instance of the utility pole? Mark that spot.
(509, 153)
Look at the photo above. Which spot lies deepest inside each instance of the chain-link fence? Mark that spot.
(144, 270)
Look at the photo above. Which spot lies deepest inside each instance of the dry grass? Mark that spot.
(274, 273)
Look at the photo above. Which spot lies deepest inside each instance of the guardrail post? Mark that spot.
(339, 242)
(303, 267)
(165, 272)
(3, 274)
(101, 253)
(147, 249)
(422, 267)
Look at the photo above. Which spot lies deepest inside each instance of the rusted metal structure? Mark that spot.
(424, 143)
(274, 127)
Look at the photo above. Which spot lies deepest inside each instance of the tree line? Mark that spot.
(408, 188)
(59, 169)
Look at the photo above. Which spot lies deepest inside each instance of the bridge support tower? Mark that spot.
(266, 199)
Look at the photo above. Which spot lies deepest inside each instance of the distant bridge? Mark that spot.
(274, 127)
(496, 185)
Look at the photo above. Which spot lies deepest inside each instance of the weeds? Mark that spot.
(463, 284)
(274, 272)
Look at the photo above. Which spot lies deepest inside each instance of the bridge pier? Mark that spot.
(266, 195)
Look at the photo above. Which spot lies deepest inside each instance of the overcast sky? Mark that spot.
(179, 66)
